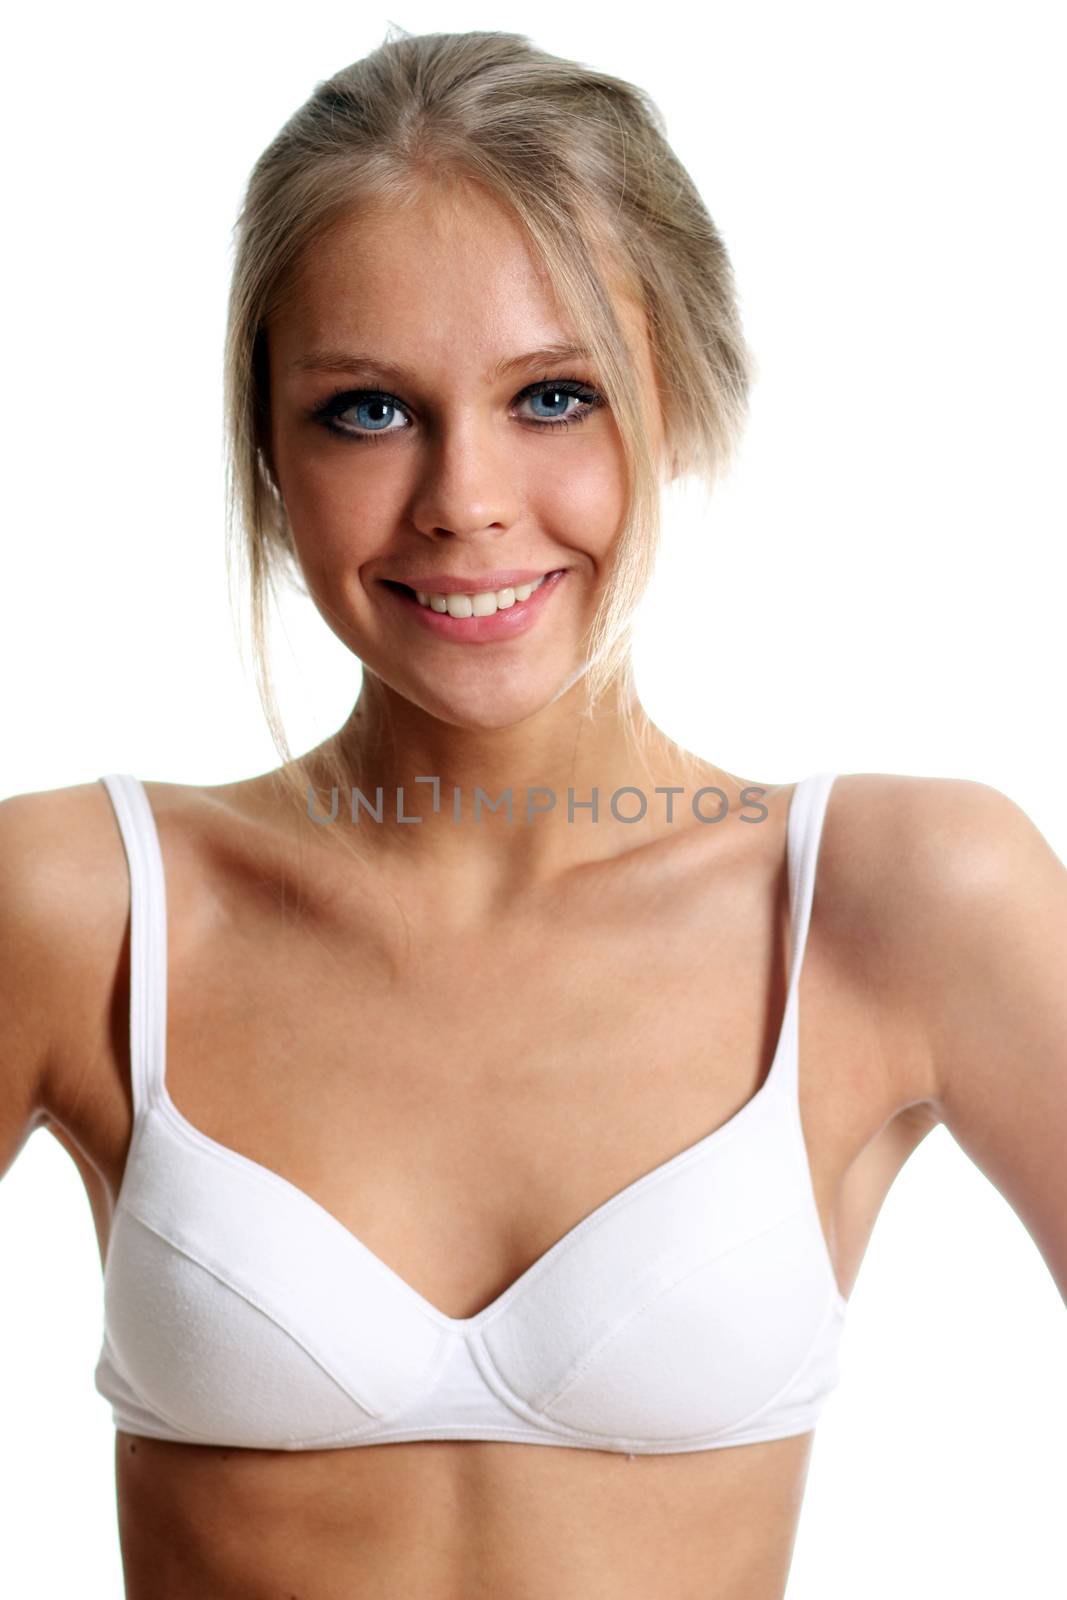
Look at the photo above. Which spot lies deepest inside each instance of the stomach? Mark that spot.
(457, 1520)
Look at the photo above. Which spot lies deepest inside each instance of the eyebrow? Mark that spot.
(361, 361)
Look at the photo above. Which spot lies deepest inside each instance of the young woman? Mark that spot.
(485, 1114)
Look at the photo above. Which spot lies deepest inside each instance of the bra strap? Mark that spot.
(148, 936)
(807, 809)
(804, 830)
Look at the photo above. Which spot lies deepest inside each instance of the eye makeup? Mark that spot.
(327, 414)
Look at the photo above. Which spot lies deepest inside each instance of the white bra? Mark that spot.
(696, 1308)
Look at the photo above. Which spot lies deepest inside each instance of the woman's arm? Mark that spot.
(40, 839)
(31, 961)
(987, 928)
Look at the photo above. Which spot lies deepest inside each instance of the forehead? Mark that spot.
(447, 268)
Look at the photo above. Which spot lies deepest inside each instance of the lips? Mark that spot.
(501, 626)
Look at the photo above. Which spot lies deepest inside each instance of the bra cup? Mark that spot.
(204, 1358)
(722, 1203)
(218, 1290)
(703, 1354)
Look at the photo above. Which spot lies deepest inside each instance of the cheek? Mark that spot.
(338, 512)
(582, 504)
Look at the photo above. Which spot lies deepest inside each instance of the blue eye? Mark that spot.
(371, 406)
(560, 390)
(375, 411)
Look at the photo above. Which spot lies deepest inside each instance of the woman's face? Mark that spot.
(420, 438)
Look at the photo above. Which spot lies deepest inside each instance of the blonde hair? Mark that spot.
(581, 160)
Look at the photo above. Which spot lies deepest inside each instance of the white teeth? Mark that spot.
(478, 605)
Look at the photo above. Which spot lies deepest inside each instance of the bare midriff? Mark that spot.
(457, 1520)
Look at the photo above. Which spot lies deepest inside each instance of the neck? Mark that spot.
(551, 762)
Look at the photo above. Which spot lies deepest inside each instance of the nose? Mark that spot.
(469, 481)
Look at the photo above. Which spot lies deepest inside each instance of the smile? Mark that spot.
(476, 618)
(486, 604)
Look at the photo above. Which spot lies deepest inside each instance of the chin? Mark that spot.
(491, 709)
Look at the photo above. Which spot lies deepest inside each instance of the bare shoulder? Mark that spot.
(893, 843)
(64, 899)
(58, 848)
(911, 871)
(908, 854)
(65, 952)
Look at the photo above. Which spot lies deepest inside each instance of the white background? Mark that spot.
(877, 587)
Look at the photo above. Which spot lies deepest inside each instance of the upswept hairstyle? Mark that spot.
(580, 159)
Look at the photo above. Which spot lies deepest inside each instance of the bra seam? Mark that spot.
(662, 1288)
(749, 1416)
(219, 1275)
(797, 1372)
(621, 1445)
(147, 1405)
(566, 1430)
(505, 1392)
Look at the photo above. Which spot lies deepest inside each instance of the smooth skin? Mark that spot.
(567, 1006)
